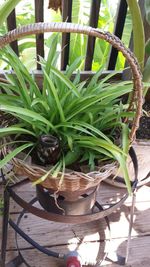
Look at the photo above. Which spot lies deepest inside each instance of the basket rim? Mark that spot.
(71, 178)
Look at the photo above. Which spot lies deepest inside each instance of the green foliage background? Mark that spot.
(80, 14)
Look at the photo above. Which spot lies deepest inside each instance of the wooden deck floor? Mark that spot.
(91, 239)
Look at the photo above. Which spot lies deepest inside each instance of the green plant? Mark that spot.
(80, 14)
(138, 31)
(6, 8)
(141, 49)
(146, 72)
(86, 117)
(106, 21)
(24, 15)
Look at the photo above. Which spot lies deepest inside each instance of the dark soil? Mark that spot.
(144, 130)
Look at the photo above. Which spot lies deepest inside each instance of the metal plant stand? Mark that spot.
(53, 215)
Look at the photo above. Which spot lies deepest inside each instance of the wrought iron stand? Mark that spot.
(53, 216)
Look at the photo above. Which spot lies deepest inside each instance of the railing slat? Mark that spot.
(66, 16)
(11, 24)
(118, 31)
(94, 15)
(39, 17)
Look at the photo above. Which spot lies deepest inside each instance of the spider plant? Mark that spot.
(87, 117)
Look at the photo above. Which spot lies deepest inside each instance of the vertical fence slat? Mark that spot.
(94, 14)
(11, 24)
(66, 16)
(119, 26)
(39, 17)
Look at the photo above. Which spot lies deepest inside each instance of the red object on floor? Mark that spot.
(73, 262)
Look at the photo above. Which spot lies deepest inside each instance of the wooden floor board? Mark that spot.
(138, 256)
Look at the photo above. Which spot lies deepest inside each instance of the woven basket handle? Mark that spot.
(108, 37)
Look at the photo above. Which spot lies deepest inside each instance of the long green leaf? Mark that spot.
(98, 149)
(14, 130)
(52, 43)
(66, 81)
(138, 31)
(89, 101)
(5, 98)
(125, 138)
(26, 112)
(15, 63)
(9, 88)
(73, 66)
(122, 161)
(82, 126)
(54, 92)
(6, 8)
(116, 152)
(41, 103)
(23, 75)
(12, 154)
(43, 177)
(95, 78)
(94, 141)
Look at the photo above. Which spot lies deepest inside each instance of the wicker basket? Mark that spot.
(79, 181)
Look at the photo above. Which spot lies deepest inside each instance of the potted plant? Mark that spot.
(74, 133)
